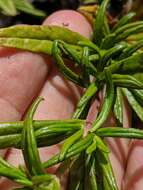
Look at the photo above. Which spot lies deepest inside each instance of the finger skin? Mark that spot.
(17, 84)
(60, 96)
(72, 20)
(22, 75)
(133, 179)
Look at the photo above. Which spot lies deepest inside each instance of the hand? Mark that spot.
(25, 75)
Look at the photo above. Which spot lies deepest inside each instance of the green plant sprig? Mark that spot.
(110, 60)
(84, 143)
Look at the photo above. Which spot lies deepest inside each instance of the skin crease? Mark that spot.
(60, 94)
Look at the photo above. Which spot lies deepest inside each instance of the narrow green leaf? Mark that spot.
(131, 49)
(109, 41)
(129, 65)
(91, 45)
(29, 145)
(129, 26)
(76, 57)
(101, 145)
(76, 173)
(89, 172)
(138, 76)
(7, 128)
(111, 53)
(94, 58)
(42, 33)
(27, 7)
(124, 20)
(104, 162)
(120, 132)
(107, 104)
(92, 176)
(135, 37)
(46, 182)
(75, 149)
(67, 72)
(118, 106)
(106, 29)
(92, 147)
(37, 46)
(138, 94)
(69, 142)
(90, 92)
(134, 103)
(85, 65)
(99, 22)
(88, 1)
(8, 7)
(99, 173)
(127, 81)
(13, 173)
(129, 32)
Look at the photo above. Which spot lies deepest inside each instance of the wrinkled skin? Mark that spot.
(24, 75)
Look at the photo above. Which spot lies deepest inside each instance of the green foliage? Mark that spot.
(110, 61)
(13, 7)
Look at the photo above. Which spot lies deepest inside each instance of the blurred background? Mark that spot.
(35, 11)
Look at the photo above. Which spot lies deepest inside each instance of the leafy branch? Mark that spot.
(109, 60)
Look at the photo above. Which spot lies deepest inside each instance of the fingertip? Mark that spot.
(72, 20)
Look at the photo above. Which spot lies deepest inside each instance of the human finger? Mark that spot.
(60, 97)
